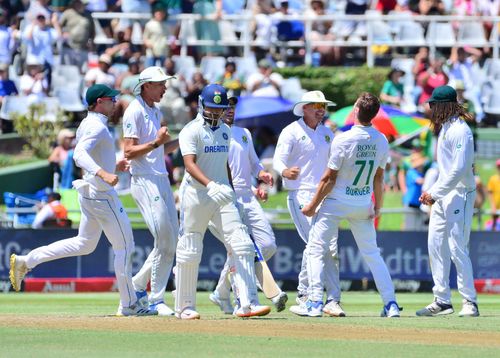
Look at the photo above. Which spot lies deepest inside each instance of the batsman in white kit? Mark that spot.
(145, 144)
(245, 165)
(206, 196)
(452, 205)
(101, 209)
(355, 171)
(301, 157)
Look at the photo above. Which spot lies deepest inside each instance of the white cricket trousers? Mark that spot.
(449, 232)
(197, 210)
(156, 202)
(324, 235)
(101, 211)
(297, 199)
(258, 227)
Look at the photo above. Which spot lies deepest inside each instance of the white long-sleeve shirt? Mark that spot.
(95, 150)
(243, 160)
(142, 122)
(455, 157)
(309, 149)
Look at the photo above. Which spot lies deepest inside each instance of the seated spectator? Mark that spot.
(422, 63)
(7, 87)
(430, 79)
(33, 83)
(193, 89)
(101, 74)
(469, 107)
(52, 214)
(172, 104)
(265, 82)
(494, 195)
(8, 41)
(232, 82)
(392, 90)
(431, 7)
(61, 158)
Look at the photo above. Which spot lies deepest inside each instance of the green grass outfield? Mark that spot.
(81, 325)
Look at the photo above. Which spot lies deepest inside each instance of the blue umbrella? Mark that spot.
(273, 112)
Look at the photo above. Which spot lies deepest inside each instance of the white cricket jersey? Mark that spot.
(243, 160)
(301, 146)
(95, 150)
(211, 147)
(455, 157)
(356, 155)
(143, 122)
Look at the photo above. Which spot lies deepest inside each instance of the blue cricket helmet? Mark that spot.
(214, 96)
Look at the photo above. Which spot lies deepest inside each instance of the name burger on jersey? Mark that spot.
(364, 151)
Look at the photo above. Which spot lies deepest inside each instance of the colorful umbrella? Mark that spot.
(389, 120)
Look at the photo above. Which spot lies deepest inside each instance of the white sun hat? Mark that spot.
(152, 74)
(310, 97)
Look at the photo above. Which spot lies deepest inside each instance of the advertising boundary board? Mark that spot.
(404, 252)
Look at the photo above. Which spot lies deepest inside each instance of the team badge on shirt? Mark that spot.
(303, 137)
(224, 135)
(244, 139)
(327, 138)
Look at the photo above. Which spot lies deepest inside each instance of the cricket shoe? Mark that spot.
(142, 298)
(391, 310)
(162, 309)
(223, 303)
(18, 270)
(135, 310)
(334, 309)
(280, 301)
(436, 309)
(188, 314)
(252, 311)
(469, 309)
(301, 299)
(308, 308)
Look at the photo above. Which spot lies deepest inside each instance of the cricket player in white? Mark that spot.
(206, 196)
(452, 199)
(100, 206)
(245, 165)
(355, 171)
(301, 157)
(145, 144)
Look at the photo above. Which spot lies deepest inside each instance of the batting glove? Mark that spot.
(220, 193)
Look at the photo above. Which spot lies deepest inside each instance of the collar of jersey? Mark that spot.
(99, 116)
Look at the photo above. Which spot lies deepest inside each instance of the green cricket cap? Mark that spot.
(443, 94)
(99, 91)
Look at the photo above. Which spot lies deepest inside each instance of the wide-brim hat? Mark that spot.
(443, 94)
(152, 74)
(310, 97)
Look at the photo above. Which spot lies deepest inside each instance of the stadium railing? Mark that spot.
(462, 37)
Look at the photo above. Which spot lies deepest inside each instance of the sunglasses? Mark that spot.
(317, 106)
(112, 99)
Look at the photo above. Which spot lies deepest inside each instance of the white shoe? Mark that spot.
(435, 309)
(334, 309)
(18, 270)
(188, 314)
(135, 310)
(391, 310)
(162, 308)
(252, 311)
(469, 309)
(280, 301)
(308, 308)
(223, 303)
(301, 299)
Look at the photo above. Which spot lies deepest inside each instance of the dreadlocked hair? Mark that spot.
(443, 112)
